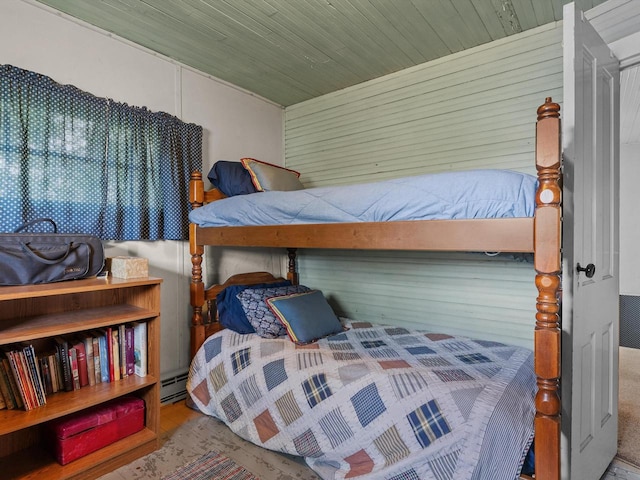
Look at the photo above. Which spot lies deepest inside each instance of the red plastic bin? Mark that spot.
(84, 432)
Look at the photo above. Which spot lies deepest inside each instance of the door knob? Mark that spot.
(589, 270)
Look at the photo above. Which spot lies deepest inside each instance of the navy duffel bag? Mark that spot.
(32, 258)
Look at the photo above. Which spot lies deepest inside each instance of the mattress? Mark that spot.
(375, 401)
(451, 195)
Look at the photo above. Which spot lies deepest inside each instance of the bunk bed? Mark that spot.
(539, 234)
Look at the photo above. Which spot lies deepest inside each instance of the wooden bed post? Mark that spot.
(292, 273)
(196, 198)
(548, 266)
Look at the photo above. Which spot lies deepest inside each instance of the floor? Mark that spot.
(186, 435)
(619, 470)
(181, 447)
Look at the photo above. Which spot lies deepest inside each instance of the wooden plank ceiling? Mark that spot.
(289, 51)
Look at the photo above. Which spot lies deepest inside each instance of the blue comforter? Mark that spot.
(451, 195)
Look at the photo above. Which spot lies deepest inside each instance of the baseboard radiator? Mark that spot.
(174, 388)
(630, 321)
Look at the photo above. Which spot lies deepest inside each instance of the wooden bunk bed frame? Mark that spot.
(540, 235)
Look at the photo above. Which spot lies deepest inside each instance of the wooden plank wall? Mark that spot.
(473, 109)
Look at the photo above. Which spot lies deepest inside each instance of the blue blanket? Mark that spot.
(451, 195)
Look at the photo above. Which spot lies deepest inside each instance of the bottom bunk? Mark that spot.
(368, 401)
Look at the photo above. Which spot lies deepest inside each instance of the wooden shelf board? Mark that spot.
(47, 325)
(64, 403)
(73, 286)
(39, 463)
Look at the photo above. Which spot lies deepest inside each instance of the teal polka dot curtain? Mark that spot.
(93, 165)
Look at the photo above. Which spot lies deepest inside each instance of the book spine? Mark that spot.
(65, 366)
(46, 375)
(59, 369)
(15, 388)
(104, 357)
(51, 359)
(5, 386)
(123, 350)
(129, 350)
(73, 362)
(81, 356)
(115, 349)
(88, 347)
(33, 373)
(140, 348)
(96, 359)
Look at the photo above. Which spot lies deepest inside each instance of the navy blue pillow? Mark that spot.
(230, 312)
(231, 178)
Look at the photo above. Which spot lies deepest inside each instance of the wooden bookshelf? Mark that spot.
(34, 313)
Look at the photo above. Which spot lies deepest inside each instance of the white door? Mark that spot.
(591, 204)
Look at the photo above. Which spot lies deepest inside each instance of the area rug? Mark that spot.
(629, 406)
(211, 466)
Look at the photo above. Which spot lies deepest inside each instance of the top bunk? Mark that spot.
(506, 227)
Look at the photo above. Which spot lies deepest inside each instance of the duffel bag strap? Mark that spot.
(35, 221)
(48, 261)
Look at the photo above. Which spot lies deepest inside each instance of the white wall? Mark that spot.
(236, 124)
(629, 224)
(616, 23)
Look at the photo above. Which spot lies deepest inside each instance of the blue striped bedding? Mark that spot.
(375, 401)
(450, 195)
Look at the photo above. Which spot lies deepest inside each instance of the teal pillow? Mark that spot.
(307, 316)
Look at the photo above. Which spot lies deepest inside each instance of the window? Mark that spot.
(93, 165)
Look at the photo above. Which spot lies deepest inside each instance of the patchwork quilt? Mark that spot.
(375, 401)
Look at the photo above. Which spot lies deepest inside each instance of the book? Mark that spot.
(115, 352)
(96, 358)
(109, 349)
(140, 348)
(5, 387)
(3, 404)
(130, 360)
(87, 339)
(58, 367)
(81, 358)
(123, 350)
(53, 368)
(6, 366)
(43, 361)
(104, 355)
(34, 375)
(62, 345)
(75, 372)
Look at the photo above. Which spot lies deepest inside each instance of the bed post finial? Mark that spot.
(548, 109)
(196, 190)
